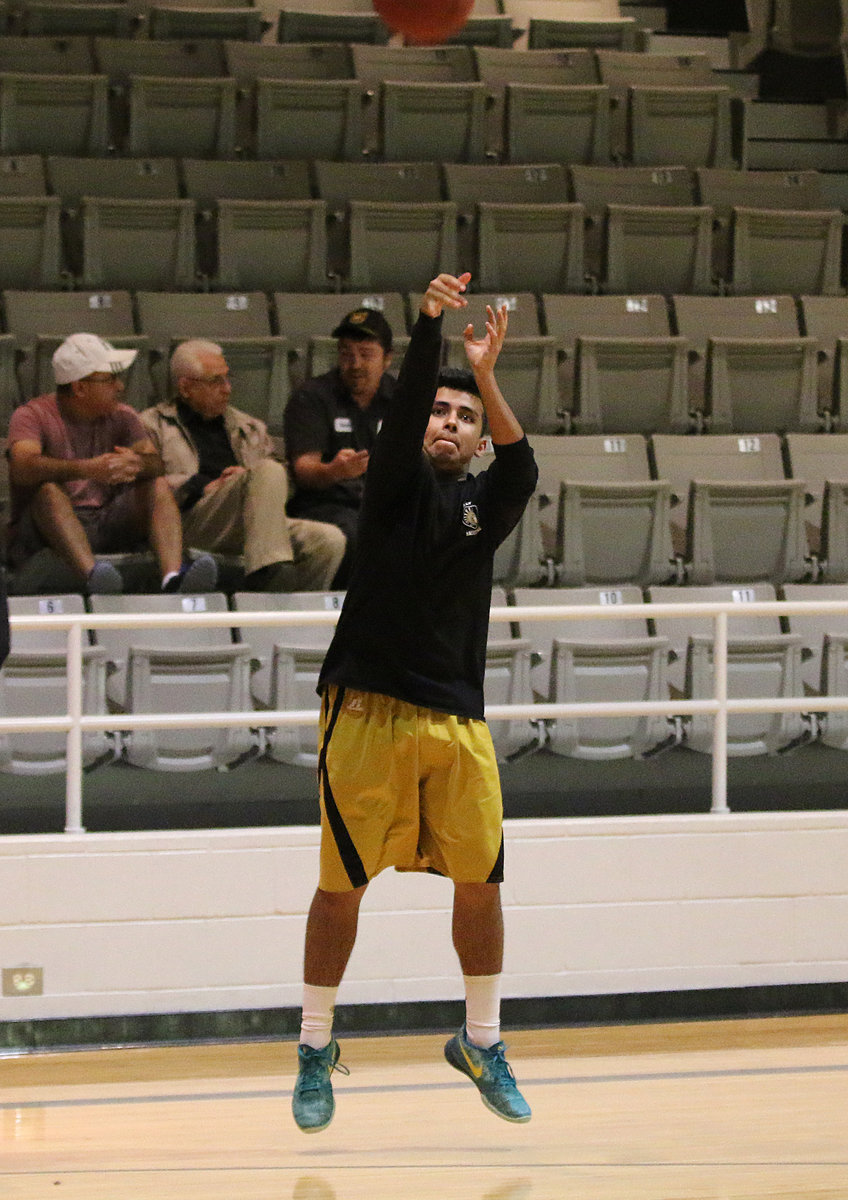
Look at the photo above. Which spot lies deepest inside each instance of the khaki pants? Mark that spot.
(246, 515)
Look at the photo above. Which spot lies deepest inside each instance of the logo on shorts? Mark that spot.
(354, 704)
(470, 519)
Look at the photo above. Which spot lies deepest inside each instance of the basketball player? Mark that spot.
(407, 771)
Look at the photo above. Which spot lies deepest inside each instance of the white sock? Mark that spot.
(316, 1026)
(483, 1009)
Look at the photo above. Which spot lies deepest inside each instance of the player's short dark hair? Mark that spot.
(458, 379)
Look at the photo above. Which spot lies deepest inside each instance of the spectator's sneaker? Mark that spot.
(104, 579)
(200, 575)
(492, 1075)
(312, 1103)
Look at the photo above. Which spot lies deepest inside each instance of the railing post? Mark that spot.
(719, 778)
(73, 782)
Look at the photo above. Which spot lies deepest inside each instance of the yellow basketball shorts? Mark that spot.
(405, 787)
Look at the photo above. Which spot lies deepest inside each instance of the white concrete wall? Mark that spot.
(179, 922)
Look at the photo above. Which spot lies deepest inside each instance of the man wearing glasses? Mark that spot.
(231, 491)
(86, 478)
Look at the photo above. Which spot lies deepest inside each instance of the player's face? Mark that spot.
(208, 392)
(454, 431)
(362, 363)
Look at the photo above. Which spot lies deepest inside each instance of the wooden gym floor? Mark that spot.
(722, 1110)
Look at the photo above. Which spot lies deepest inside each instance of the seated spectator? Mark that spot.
(230, 489)
(331, 423)
(86, 478)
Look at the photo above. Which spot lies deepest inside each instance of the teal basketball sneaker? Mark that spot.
(312, 1102)
(489, 1071)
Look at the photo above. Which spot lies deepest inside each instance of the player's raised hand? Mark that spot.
(482, 353)
(445, 291)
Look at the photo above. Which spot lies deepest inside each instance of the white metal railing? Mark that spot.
(74, 723)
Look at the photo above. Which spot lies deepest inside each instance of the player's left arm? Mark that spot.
(482, 354)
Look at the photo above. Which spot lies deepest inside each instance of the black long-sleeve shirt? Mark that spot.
(416, 615)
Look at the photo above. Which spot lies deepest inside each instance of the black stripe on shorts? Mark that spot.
(348, 853)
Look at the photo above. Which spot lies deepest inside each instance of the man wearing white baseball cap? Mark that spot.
(86, 479)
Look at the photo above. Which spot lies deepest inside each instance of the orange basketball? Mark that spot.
(424, 22)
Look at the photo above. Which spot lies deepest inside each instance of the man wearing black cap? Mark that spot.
(331, 424)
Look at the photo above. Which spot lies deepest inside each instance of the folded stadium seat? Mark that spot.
(469, 183)
(726, 188)
(30, 246)
(825, 638)
(820, 461)
(699, 318)
(192, 117)
(507, 681)
(434, 122)
(305, 25)
(824, 318)
(593, 458)
(54, 114)
(138, 244)
(205, 181)
(338, 183)
(34, 683)
(72, 177)
(597, 660)
(762, 661)
(55, 18)
(197, 58)
(680, 459)
(501, 68)
(47, 55)
(692, 126)
(568, 317)
(303, 317)
(548, 123)
(265, 245)
(596, 187)
(391, 244)
(489, 28)
(10, 397)
(621, 33)
(174, 316)
(195, 670)
(524, 11)
(22, 175)
(249, 61)
(762, 384)
(614, 533)
(786, 251)
(221, 21)
(624, 69)
(309, 118)
(286, 663)
(631, 385)
(530, 247)
(374, 64)
(39, 321)
(746, 531)
(658, 249)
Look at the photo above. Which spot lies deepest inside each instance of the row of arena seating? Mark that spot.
(284, 245)
(571, 364)
(492, 23)
(680, 510)
(274, 668)
(467, 185)
(671, 110)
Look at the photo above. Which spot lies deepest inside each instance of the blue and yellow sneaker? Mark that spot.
(312, 1102)
(492, 1075)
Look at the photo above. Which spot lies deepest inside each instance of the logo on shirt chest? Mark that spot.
(470, 518)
